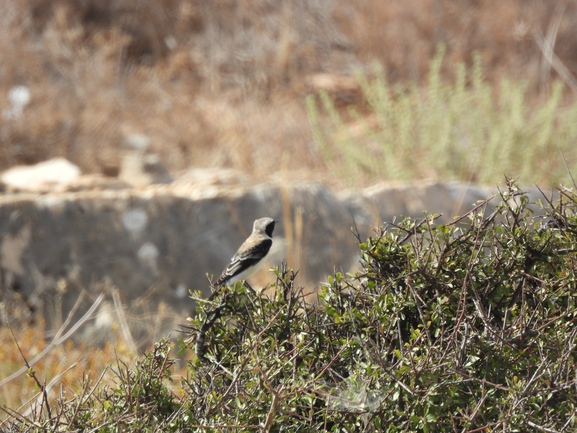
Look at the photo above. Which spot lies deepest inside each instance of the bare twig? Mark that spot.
(551, 37)
(211, 317)
(540, 427)
(122, 319)
(43, 395)
(552, 58)
(32, 374)
(567, 167)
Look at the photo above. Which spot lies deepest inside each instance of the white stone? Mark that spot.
(56, 171)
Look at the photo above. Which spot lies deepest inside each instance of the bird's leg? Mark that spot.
(249, 286)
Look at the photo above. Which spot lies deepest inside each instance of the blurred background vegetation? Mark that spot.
(448, 90)
(347, 93)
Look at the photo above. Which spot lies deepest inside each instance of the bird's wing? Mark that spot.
(245, 258)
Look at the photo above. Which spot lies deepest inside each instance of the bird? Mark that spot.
(250, 256)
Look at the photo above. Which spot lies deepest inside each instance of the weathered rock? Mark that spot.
(201, 177)
(157, 244)
(140, 167)
(41, 177)
(450, 199)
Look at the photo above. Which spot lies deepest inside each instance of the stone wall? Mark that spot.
(154, 244)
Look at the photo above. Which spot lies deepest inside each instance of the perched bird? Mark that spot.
(250, 256)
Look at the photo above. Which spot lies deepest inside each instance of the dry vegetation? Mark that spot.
(222, 83)
(67, 363)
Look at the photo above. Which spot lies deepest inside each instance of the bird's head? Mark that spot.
(264, 225)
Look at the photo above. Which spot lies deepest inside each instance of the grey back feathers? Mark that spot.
(251, 254)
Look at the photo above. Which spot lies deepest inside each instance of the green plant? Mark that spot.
(469, 326)
(466, 130)
(459, 327)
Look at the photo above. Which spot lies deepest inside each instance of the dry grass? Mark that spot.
(83, 359)
(404, 35)
(59, 359)
(220, 84)
(64, 369)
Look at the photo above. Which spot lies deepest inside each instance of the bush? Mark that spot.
(468, 326)
(468, 129)
(445, 328)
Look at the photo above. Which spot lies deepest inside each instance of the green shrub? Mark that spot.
(449, 327)
(468, 326)
(465, 130)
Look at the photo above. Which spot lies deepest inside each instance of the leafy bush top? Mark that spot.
(466, 327)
